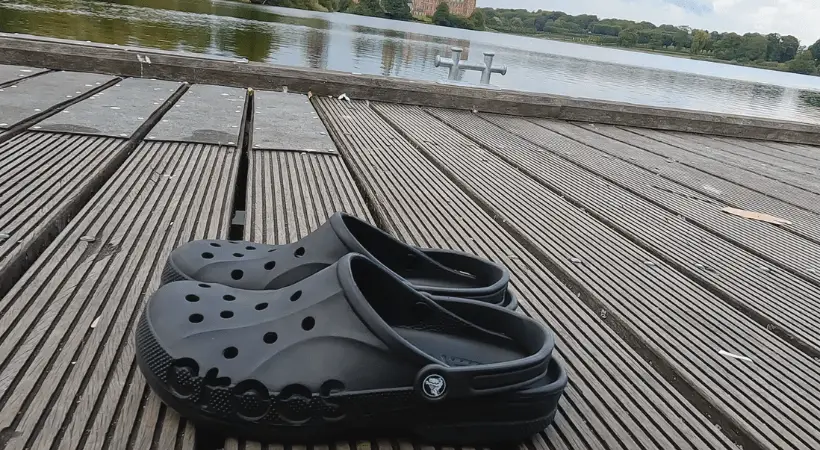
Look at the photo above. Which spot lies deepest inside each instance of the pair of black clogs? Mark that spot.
(346, 330)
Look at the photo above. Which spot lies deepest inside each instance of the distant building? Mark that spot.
(458, 7)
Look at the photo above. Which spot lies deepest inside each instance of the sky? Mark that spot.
(800, 18)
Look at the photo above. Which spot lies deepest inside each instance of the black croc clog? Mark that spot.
(254, 266)
(349, 349)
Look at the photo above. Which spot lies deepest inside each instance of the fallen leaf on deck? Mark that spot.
(756, 216)
(95, 322)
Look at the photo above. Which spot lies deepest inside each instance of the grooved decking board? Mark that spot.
(773, 400)
(117, 111)
(11, 73)
(205, 114)
(754, 155)
(285, 121)
(713, 151)
(68, 377)
(46, 179)
(773, 245)
(772, 296)
(289, 195)
(32, 96)
(742, 177)
(805, 223)
(806, 151)
(754, 149)
(615, 400)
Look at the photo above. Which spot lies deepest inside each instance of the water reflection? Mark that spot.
(374, 46)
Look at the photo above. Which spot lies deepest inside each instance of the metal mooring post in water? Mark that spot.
(456, 64)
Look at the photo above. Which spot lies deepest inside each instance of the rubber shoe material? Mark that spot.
(352, 348)
(253, 266)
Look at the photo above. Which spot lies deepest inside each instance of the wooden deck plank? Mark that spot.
(592, 180)
(205, 114)
(805, 223)
(806, 151)
(46, 179)
(15, 73)
(691, 144)
(772, 402)
(291, 194)
(285, 121)
(771, 243)
(115, 112)
(771, 151)
(72, 316)
(33, 96)
(615, 399)
(753, 154)
(742, 177)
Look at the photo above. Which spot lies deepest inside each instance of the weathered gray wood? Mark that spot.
(205, 114)
(68, 378)
(290, 194)
(736, 257)
(57, 55)
(805, 223)
(45, 180)
(772, 402)
(13, 73)
(764, 185)
(116, 112)
(615, 399)
(33, 96)
(285, 121)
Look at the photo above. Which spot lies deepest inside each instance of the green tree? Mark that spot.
(815, 50)
(804, 63)
(728, 47)
(442, 15)
(700, 39)
(478, 20)
(789, 46)
(627, 38)
(369, 8)
(516, 22)
(345, 5)
(606, 29)
(397, 9)
(682, 39)
(774, 47)
(753, 47)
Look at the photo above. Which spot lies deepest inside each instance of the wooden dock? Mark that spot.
(681, 326)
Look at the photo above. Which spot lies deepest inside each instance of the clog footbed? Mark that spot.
(254, 266)
(350, 348)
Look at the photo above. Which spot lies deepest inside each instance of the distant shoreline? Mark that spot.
(672, 53)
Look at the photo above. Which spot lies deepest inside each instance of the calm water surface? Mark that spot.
(357, 44)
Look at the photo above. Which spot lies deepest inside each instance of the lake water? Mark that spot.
(358, 44)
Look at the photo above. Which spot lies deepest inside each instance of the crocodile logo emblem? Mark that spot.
(434, 386)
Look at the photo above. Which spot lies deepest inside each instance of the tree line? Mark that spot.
(772, 51)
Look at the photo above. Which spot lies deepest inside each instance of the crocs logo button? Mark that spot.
(434, 386)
